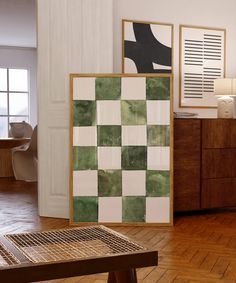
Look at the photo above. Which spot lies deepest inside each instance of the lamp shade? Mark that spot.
(224, 86)
(234, 87)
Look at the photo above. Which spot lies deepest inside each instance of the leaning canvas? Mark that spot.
(147, 47)
(121, 148)
(202, 60)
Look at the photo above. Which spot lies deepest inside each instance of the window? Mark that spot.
(14, 98)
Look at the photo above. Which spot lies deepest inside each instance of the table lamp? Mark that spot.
(224, 88)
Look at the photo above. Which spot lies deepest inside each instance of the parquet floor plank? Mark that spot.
(209, 262)
(168, 277)
(180, 280)
(220, 266)
(230, 272)
(144, 272)
(154, 276)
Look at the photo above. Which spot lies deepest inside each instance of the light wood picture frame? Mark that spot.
(120, 126)
(202, 60)
(147, 47)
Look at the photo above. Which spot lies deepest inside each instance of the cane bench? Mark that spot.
(54, 254)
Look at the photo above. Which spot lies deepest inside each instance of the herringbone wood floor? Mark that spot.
(199, 248)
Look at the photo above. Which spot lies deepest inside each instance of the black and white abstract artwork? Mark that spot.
(147, 47)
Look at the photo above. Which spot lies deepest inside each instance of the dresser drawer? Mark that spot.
(187, 157)
(218, 163)
(187, 134)
(218, 133)
(218, 193)
(186, 180)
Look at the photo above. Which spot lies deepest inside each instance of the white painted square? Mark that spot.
(129, 31)
(163, 33)
(84, 136)
(108, 112)
(85, 183)
(110, 209)
(158, 158)
(133, 88)
(84, 88)
(109, 157)
(158, 112)
(129, 66)
(134, 135)
(133, 183)
(157, 210)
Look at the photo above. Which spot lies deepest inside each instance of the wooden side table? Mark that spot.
(54, 254)
(5, 154)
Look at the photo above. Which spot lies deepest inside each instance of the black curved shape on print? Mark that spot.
(147, 50)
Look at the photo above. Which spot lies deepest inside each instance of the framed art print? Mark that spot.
(147, 47)
(121, 149)
(202, 60)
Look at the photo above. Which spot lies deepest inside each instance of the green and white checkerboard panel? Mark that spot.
(121, 149)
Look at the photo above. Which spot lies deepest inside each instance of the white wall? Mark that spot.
(18, 23)
(210, 13)
(25, 58)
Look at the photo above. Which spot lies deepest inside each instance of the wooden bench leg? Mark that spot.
(123, 276)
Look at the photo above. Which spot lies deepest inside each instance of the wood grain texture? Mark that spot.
(198, 248)
(204, 154)
(5, 155)
(187, 154)
(218, 192)
(218, 133)
(5, 163)
(10, 143)
(217, 163)
(28, 272)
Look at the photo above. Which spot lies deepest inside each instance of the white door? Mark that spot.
(74, 36)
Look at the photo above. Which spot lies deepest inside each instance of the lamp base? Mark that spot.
(225, 107)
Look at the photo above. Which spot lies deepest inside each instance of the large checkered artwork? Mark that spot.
(121, 149)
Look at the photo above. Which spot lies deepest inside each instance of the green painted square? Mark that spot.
(133, 209)
(109, 183)
(85, 209)
(75, 209)
(157, 183)
(109, 135)
(158, 135)
(84, 113)
(134, 158)
(133, 112)
(108, 88)
(85, 157)
(158, 88)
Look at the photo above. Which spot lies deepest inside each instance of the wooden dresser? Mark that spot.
(204, 163)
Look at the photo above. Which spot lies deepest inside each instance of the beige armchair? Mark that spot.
(25, 159)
